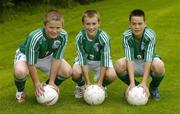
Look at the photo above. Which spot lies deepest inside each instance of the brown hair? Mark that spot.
(137, 12)
(53, 15)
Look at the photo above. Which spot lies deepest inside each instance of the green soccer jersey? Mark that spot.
(143, 49)
(37, 45)
(97, 49)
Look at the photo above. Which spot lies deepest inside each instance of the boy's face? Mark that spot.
(137, 25)
(91, 25)
(53, 29)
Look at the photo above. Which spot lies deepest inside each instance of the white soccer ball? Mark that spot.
(49, 97)
(137, 96)
(94, 95)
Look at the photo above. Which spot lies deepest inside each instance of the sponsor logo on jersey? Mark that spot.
(91, 57)
(96, 47)
(56, 44)
(139, 57)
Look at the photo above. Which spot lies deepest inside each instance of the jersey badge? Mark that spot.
(91, 57)
(96, 47)
(139, 57)
(56, 44)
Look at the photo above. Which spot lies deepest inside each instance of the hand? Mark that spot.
(100, 85)
(39, 89)
(131, 85)
(129, 88)
(87, 85)
(54, 86)
(146, 90)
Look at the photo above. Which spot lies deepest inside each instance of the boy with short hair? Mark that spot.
(140, 57)
(93, 49)
(44, 49)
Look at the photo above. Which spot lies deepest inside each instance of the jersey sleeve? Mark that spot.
(128, 49)
(150, 35)
(59, 53)
(105, 51)
(32, 47)
(82, 56)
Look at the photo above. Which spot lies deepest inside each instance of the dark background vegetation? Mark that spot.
(12, 6)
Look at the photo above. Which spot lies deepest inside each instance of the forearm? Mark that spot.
(33, 74)
(82, 55)
(147, 66)
(86, 74)
(102, 74)
(54, 70)
(130, 67)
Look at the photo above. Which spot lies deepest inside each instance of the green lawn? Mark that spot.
(163, 16)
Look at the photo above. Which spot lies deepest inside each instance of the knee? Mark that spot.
(21, 72)
(76, 74)
(158, 67)
(68, 72)
(111, 76)
(120, 65)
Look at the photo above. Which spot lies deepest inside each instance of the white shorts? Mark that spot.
(139, 67)
(44, 64)
(94, 66)
(19, 56)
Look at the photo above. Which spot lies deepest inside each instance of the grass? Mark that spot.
(163, 16)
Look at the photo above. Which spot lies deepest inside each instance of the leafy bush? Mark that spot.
(8, 7)
(62, 3)
(86, 1)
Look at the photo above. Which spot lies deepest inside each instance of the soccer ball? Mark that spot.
(49, 97)
(136, 96)
(94, 95)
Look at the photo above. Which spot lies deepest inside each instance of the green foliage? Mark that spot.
(5, 4)
(86, 1)
(9, 7)
(62, 3)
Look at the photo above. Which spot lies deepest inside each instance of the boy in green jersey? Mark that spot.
(43, 49)
(140, 58)
(93, 49)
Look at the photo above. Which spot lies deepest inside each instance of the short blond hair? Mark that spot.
(90, 13)
(53, 15)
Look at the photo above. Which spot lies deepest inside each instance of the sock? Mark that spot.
(156, 80)
(79, 81)
(125, 78)
(105, 82)
(59, 79)
(20, 83)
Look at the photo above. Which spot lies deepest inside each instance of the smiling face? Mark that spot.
(53, 23)
(137, 25)
(91, 24)
(53, 29)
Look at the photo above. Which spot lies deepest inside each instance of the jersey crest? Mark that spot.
(91, 57)
(56, 44)
(96, 47)
(139, 57)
